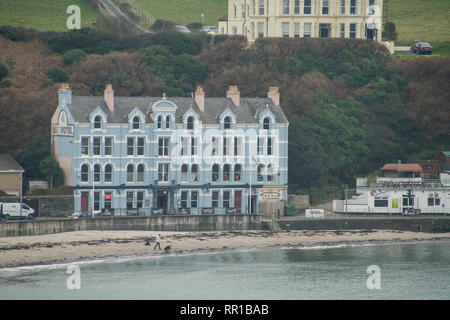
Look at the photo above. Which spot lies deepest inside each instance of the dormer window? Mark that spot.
(266, 123)
(136, 123)
(227, 123)
(167, 122)
(190, 123)
(159, 122)
(97, 122)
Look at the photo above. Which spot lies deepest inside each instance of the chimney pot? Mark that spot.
(234, 94)
(109, 97)
(200, 98)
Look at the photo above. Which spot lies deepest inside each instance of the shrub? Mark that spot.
(162, 25)
(72, 56)
(5, 84)
(57, 74)
(3, 71)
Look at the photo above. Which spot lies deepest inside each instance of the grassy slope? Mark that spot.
(43, 15)
(184, 11)
(417, 20)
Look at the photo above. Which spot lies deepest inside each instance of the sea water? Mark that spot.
(419, 270)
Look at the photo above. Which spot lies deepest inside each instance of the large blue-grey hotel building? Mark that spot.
(161, 155)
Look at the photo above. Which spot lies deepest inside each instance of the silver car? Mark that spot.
(210, 29)
(182, 29)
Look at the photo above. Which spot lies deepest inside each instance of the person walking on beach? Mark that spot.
(158, 239)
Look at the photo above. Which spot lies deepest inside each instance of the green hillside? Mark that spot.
(48, 15)
(416, 20)
(183, 11)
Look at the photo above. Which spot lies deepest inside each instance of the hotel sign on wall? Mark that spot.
(62, 130)
(269, 194)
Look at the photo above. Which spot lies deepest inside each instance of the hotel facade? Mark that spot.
(360, 19)
(161, 155)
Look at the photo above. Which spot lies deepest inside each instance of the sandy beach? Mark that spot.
(82, 245)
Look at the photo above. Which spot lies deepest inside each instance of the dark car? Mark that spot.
(421, 48)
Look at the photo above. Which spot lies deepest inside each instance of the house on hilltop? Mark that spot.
(359, 19)
(10, 175)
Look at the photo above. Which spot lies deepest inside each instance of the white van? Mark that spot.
(12, 210)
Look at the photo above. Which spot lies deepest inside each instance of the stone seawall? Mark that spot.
(152, 223)
(420, 224)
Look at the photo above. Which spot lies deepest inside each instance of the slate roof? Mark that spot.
(82, 106)
(7, 163)
(224, 18)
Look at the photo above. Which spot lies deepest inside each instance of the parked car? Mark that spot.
(182, 29)
(209, 29)
(421, 48)
(12, 211)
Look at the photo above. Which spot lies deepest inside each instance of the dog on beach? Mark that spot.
(167, 248)
(147, 243)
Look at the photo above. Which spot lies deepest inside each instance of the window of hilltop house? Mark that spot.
(285, 28)
(215, 146)
(297, 7)
(296, 30)
(266, 121)
(371, 7)
(84, 173)
(307, 7)
(342, 6)
(226, 146)
(353, 4)
(408, 202)
(97, 146)
(430, 202)
(260, 30)
(325, 6)
(194, 146)
(108, 146)
(140, 172)
(286, 6)
(261, 7)
(215, 172)
(307, 30)
(325, 30)
(237, 172)
(243, 11)
(260, 146)
(381, 202)
(254, 7)
(342, 30)
(108, 173)
(194, 173)
(85, 146)
(352, 30)
(130, 198)
(97, 173)
(437, 202)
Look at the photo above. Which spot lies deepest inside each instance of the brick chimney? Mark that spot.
(234, 94)
(109, 97)
(274, 94)
(200, 98)
(64, 94)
